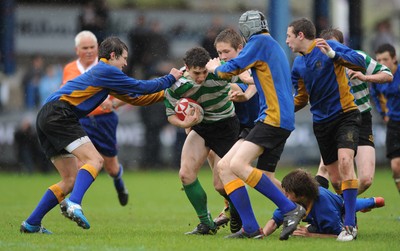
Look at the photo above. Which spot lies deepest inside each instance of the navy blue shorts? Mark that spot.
(102, 131)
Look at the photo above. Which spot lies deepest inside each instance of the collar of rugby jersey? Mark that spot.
(104, 60)
(313, 44)
(309, 207)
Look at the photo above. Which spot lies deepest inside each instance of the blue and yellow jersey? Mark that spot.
(271, 73)
(324, 215)
(87, 91)
(387, 97)
(322, 81)
(247, 112)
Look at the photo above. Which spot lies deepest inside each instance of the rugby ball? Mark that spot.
(183, 107)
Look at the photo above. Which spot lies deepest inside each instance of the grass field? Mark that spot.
(159, 213)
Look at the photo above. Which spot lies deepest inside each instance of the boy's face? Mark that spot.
(385, 59)
(198, 74)
(292, 40)
(225, 51)
(119, 62)
(291, 196)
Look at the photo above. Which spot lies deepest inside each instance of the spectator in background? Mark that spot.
(208, 39)
(137, 37)
(150, 49)
(95, 18)
(383, 34)
(157, 51)
(154, 119)
(50, 82)
(25, 140)
(30, 82)
(27, 150)
(151, 152)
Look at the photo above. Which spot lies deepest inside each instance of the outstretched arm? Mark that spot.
(380, 77)
(303, 231)
(270, 227)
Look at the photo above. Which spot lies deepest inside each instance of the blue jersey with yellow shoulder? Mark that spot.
(322, 81)
(87, 91)
(271, 73)
(247, 112)
(324, 215)
(387, 97)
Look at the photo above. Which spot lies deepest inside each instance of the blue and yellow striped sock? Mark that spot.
(240, 198)
(350, 189)
(50, 199)
(264, 185)
(86, 175)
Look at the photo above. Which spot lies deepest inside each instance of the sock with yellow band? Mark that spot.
(86, 175)
(350, 190)
(237, 192)
(50, 199)
(264, 185)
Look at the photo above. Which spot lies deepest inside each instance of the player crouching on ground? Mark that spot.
(324, 208)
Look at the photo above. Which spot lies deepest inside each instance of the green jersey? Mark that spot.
(360, 89)
(212, 95)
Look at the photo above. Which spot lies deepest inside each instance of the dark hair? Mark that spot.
(112, 44)
(301, 183)
(386, 48)
(229, 36)
(304, 25)
(332, 33)
(196, 57)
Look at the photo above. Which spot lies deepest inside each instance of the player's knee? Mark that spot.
(182, 175)
(365, 183)
(100, 161)
(222, 167)
(337, 186)
(186, 176)
(112, 170)
(395, 165)
(220, 189)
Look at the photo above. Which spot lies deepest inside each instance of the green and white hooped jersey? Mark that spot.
(212, 95)
(360, 89)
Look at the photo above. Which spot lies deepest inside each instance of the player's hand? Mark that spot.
(356, 75)
(193, 117)
(213, 64)
(385, 118)
(301, 231)
(324, 47)
(176, 73)
(237, 96)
